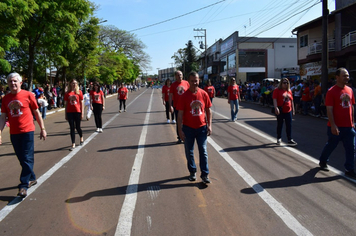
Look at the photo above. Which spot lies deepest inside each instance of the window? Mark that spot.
(223, 63)
(303, 41)
(252, 58)
(231, 61)
(291, 46)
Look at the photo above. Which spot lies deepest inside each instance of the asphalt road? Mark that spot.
(132, 178)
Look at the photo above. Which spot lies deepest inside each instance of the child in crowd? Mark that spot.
(42, 103)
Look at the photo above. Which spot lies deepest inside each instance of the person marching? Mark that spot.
(209, 88)
(165, 97)
(74, 110)
(177, 89)
(18, 106)
(194, 123)
(97, 104)
(233, 96)
(284, 109)
(122, 95)
(339, 103)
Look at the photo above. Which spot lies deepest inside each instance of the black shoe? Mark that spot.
(350, 174)
(192, 177)
(31, 183)
(206, 179)
(22, 193)
(179, 141)
(292, 143)
(323, 166)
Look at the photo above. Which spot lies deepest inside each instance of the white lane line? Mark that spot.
(126, 215)
(277, 207)
(14, 203)
(291, 149)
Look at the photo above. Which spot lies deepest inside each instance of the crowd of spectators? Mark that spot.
(307, 94)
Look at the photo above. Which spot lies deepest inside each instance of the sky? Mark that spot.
(165, 26)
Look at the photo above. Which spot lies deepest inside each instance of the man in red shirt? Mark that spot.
(176, 91)
(194, 123)
(339, 103)
(18, 107)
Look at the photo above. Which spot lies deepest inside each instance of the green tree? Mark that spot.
(51, 28)
(13, 14)
(114, 39)
(186, 59)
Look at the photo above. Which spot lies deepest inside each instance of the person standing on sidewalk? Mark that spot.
(122, 95)
(17, 107)
(177, 89)
(165, 97)
(233, 98)
(97, 104)
(339, 103)
(194, 123)
(284, 110)
(74, 110)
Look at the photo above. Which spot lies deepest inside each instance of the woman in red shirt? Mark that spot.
(122, 95)
(210, 90)
(284, 109)
(165, 97)
(73, 103)
(97, 104)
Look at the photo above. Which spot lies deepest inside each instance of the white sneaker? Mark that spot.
(125, 110)
(168, 121)
(173, 121)
(97, 130)
(100, 130)
(279, 141)
(119, 111)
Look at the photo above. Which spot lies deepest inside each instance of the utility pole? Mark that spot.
(325, 53)
(205, 52)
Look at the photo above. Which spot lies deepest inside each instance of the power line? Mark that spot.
(177, 16)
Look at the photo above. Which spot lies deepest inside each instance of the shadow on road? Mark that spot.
(135, 147)
(307, 178)
(162, 184)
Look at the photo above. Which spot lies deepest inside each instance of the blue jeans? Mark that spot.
(24, 149)
(347, 136)
(201, 136)
(234, 105)
(280, 119)
(43, 111)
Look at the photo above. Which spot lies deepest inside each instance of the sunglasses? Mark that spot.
(285, 83)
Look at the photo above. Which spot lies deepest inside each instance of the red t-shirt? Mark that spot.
(194, 107)
(306, 94)
(284, 98)
(178, 89)
(123, 93)
(74, 101)
(341, 99)
(233, 91)
(210, 90)
(165, 90)
(18, 108)
(97, 97)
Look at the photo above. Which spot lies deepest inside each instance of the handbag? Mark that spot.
(279, 108)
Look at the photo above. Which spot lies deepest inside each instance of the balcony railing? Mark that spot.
(349, 39)
(317, 47)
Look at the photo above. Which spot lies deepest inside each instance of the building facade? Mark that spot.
(341, 42)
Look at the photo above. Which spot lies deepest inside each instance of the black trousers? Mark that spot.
(74, 119)
(123, 102)
(168, 110)
(98, 110)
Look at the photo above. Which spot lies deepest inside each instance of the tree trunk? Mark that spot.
(31, 60)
